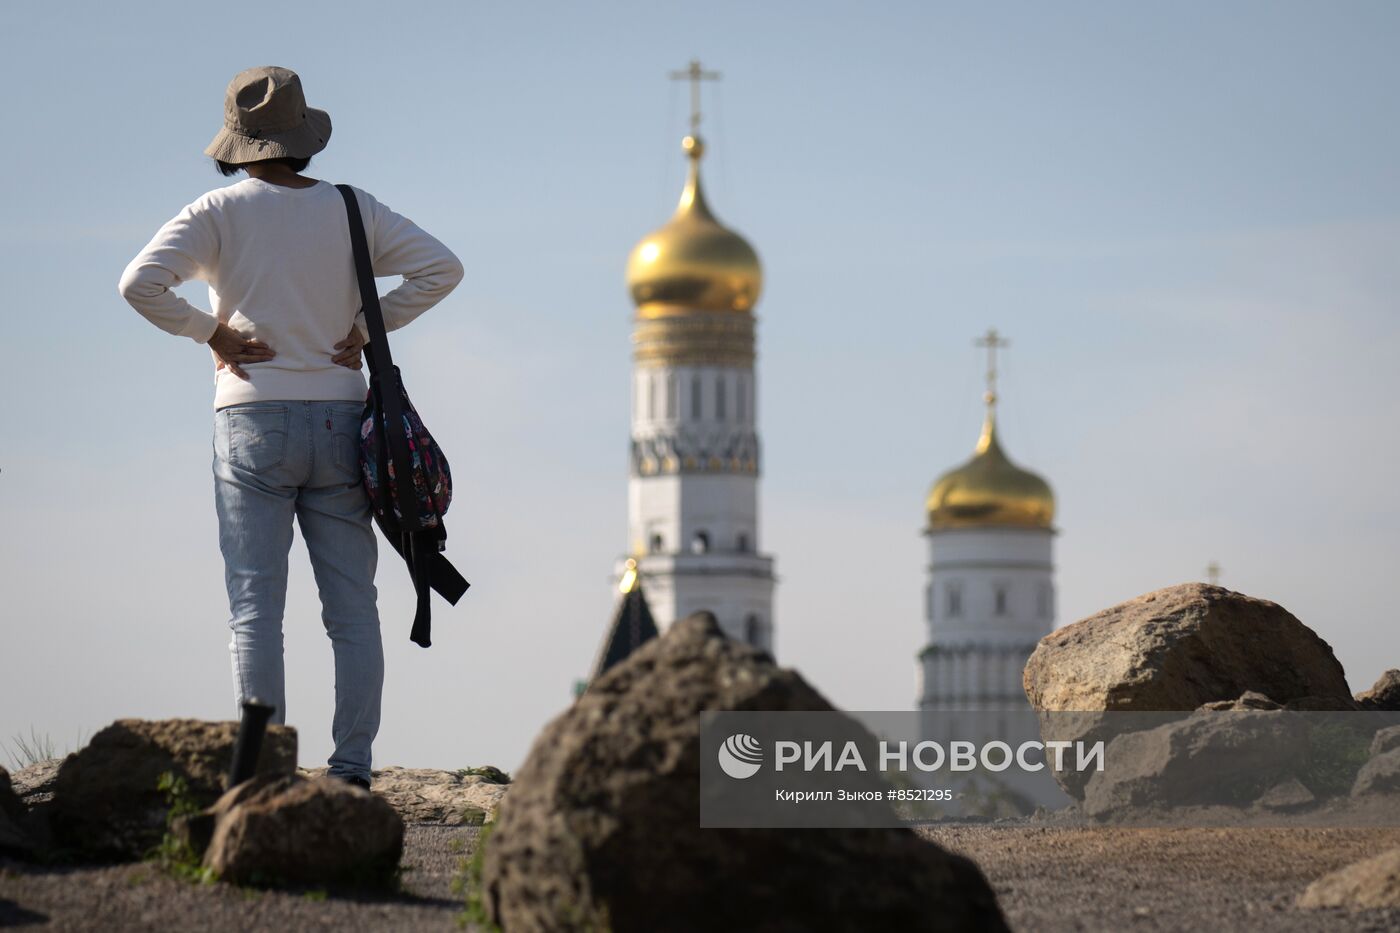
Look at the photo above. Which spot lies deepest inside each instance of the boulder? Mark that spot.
(426, 795)
(35, 783)
(1385, 740)
(289, 829)
(1208, 759)
(1384, 694)
(1287, 797)
(601, 828)
(1372, 883)
(106, 802)
(1179, 648)
(1380, 775)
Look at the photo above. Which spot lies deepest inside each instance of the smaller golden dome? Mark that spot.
(694, 261)
(990, 490)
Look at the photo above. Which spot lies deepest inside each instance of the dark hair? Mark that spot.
(233, 168)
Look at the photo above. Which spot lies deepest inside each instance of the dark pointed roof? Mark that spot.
(632, 626)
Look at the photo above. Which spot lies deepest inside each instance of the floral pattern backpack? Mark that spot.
(432, 478)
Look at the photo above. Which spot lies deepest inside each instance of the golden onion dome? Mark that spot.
(693, 260)
(989, 490)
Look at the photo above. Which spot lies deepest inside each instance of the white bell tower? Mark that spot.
(693, 521)
(990, 595)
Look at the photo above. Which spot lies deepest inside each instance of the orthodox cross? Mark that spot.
(629, 577)
(993, 341)
(695, 74)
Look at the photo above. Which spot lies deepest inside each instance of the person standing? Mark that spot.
(286, 337)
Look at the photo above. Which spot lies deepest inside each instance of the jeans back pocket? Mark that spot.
(345, 420)
(257, 436)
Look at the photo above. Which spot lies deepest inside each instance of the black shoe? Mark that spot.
(357, 781)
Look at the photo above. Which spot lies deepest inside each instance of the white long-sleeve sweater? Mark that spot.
(280, 269)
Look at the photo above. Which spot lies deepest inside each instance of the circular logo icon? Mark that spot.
(740, 756)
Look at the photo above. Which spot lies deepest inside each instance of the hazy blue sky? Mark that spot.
(1186, 216)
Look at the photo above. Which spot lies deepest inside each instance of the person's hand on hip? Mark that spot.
(231, 348)
(350, 347)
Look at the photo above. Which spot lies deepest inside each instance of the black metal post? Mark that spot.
(249, 744)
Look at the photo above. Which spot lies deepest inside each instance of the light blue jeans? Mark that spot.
(274, 460)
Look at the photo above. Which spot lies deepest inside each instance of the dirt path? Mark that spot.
(1049, 880)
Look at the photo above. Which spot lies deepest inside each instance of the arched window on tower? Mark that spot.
(1044, 601)
(753, 631)
(651, 396)
(741, 397)
(954, 593)
(673, 391)
(700, 544)
(742, 543)
(695, 396)
(656, 543)
(999, 599)
(719, 397)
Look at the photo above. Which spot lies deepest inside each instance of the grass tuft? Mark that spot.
(467, 884)
(23, 752)
(491, 773)
(173, 854)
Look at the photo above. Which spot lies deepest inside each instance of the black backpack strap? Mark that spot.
(384, 376)
(429, 570)
(419, 549)
(421, 633)
(380, 360)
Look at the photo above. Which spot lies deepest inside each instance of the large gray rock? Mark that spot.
(1385, 740)
(1187, 647)
(601, 828)
(34, 786)
(1178, 648)
(1210, 759)
(1384, 693)
(1372, 883)
(293, 830)
(106, 802)
(1379, 775)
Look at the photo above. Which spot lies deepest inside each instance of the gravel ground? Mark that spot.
(1049, 879)
(1052, 880)
(140, 897)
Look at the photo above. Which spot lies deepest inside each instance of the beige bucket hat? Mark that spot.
(266, 117)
